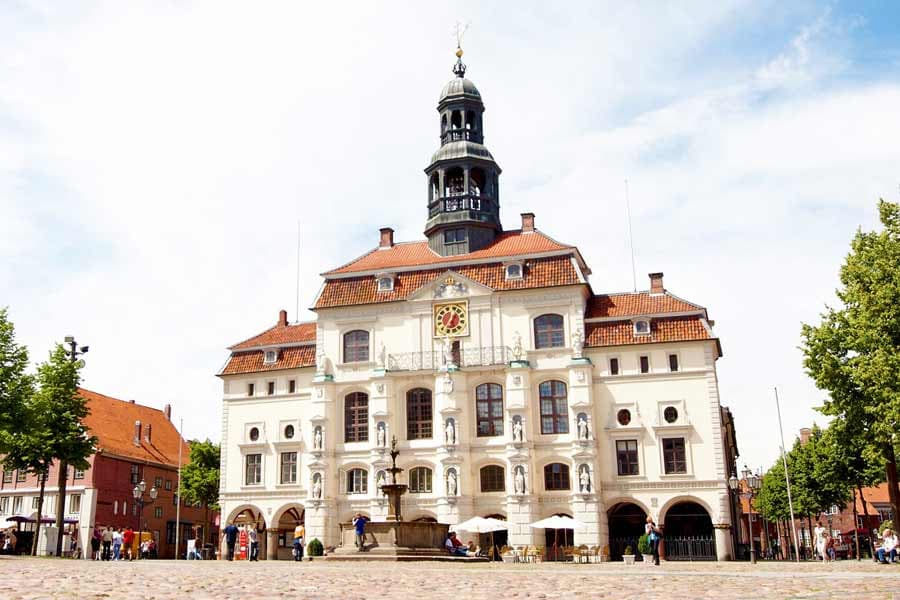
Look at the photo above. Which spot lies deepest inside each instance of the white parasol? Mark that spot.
(483, 525)
(557, 522)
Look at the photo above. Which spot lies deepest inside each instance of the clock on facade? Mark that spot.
(451, 319)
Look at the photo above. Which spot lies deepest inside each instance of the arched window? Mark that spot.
(454, 184)
(470, 120)
(493, 479)
(456, 119)
(489, 409)
(444, 123)
(356, 417)
(356, 346)
(548, 332)
(357, 481)
(556, 477)
(418, 414)
(420, 480)
(554, 409)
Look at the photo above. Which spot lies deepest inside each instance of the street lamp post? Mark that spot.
(752, 482)
(138, 493)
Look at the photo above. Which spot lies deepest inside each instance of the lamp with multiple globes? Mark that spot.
(752, 483)
(141, 501)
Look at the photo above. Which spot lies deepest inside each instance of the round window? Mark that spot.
(670, 414)
(624, 416)
(254, 434)
(289, 432)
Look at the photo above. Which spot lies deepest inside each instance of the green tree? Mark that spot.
(200, 477)
(16, 386)
(854, 353)
(64, 412)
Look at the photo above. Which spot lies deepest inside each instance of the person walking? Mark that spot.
(819, 533)
(299, 535)
(128, 542)
(359, 523)
(117, 543)
(95, 543)
(253, 536)
(106, 540)
(230, 534)
(654, 533)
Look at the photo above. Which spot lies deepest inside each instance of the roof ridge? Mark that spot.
(244, 341)
(128, 402)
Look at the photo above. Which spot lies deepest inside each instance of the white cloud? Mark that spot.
(155, 159)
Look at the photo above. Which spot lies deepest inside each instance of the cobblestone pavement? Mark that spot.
(27, 578)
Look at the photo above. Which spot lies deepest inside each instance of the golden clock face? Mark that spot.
(451, 319)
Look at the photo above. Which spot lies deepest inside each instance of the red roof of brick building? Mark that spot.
(667, 329)
(281, 335)
(113, 422)
(637, 303)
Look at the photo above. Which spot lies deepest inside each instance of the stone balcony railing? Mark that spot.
(467, 357)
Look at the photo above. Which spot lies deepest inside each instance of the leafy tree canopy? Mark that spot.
(200, 476)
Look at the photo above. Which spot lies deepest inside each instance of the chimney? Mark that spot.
(168, 411)
(527, 222)
(137, 434)
(148, 437)
(805, 432)
(387, 238)
(656, 283)
(282, 318)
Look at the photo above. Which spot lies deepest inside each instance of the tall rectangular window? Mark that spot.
(356, 417)
(4, 505)
(34, 502)
(627, 457)
(418, 414)
(554, 407)
(288, 467)
(645, 364)
(157, 483)
(357, 481)
(251, 389)
(270, 388)
(158, 512)
(292, 386)
(7, 476)
(21, 475)
(17, 505)
(135, 474)
(673, 362)
(674, 457)
(489, 409)
(75, 504)
(356, 346)
(614, 366)
(254, 469)
(78, 474)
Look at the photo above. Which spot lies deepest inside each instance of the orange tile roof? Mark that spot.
(280, 334)
(112, 421)
(668, 329)
(876, 494)
(539, 272)
(637, 303)
(288, 358)
(411, 254)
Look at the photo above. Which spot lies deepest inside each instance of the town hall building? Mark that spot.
(514, 389)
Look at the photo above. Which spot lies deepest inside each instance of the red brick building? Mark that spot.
(135, 443)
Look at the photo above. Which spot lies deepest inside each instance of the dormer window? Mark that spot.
(642, 327)
(385, 282)
(514, 271)
(270, 357)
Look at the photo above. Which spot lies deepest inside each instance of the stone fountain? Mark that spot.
(395, 539)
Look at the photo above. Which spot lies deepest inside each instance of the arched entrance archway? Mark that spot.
(499, 539)
(245, 518)
(556, 540)
(688, 533)
(626, 524)
(287, 522)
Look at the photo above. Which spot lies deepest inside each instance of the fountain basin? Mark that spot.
(397, 540)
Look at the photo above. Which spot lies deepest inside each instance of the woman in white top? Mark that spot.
(819, 533)
(653, 532)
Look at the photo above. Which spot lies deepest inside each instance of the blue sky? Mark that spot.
(156, 157)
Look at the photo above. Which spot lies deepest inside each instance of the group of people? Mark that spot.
(8, 541)
(115, 543)
(232, 532)
(824, 543)
(886, 552)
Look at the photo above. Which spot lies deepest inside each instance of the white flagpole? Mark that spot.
(630, 235)
(787, 478)
(178, 488)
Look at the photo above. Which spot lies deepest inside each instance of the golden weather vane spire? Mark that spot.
(459, 68)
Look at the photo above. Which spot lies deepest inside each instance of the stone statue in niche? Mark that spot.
(320, 362)
(447, 383)
(577, 343)
(447, 351)
(317, 439)
(517, 351)
(451, 482)
(450, 432)
(381, 356)
(380, 435)
(582, 427)
(380, 481)
(517, 430)
(519, 480)
(317, 487)
(585, 479)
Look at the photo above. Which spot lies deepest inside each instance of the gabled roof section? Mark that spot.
(539, 272)
(417, 254)
(112, 421)
(630, 304)
(667, 329)
(280, 335)
(252, 361)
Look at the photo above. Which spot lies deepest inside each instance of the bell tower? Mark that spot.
(463, 178)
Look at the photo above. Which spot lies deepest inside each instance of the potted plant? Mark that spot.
(628, 555)
(508, 556)
(314, 548)
(645, 548)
